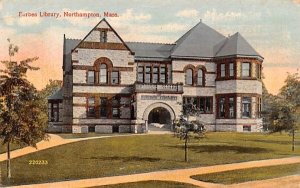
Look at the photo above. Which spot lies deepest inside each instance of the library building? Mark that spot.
(114, 86)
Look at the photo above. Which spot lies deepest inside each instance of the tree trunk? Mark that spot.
(186, 149)
(8, 162)
(293, 140)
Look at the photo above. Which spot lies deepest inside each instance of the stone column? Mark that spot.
(146, 125)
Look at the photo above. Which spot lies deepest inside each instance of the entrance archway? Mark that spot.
(159, 116)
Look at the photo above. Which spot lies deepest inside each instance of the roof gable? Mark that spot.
(235, 45)
(197, 42)
(104, 24)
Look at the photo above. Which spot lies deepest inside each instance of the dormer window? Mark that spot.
(103, 36)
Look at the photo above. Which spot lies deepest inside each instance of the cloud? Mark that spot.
(296, 1)
(9, 20)
(188, 13)
(131, 15)
(22, 21)
(1, 4)
(215, 16)
(28, 21)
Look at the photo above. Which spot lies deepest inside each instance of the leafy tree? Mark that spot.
(49, 89)
(21, 118)
(186, 129)
(281, 113)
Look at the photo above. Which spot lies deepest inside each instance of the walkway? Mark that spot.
(183, 175)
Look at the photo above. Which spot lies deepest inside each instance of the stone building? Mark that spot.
(114, 86)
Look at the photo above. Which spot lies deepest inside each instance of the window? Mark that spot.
(148, 74)
(231, 69)
(226, 106)
(91, 107)
(163, 74)
(189, 77)
(246, 107)
(54, 112)
(91, 77)
(141, 74)
(231, 107)
(246, 69)
(246, 128)
(203, 104)
(200, 77)
(115, 77)
(116, 107)
(103, 73)
(259, 107)
(222, 107)
(258, 71)
(155, 75)
(103, 107)
(222, 70)
(103, 36)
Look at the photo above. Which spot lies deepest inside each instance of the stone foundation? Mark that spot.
(80, 129)
(103, 129)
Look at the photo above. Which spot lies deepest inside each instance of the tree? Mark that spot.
(49, 89)
(21, 118)
(281, 112)
(186, 129)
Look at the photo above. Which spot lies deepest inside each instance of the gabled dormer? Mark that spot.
(103, 36)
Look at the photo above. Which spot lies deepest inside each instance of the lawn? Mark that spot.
(144, 153)
(86, 135)
(12, 147)
(251, 174)
(150, 184)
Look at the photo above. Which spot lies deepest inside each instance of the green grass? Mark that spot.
(150, 184)
(145, 153)
(3, 148)
(252, 174)
(85, 135)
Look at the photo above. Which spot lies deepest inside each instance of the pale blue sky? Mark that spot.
(272, 27)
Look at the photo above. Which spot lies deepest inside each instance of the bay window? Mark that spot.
(246, 69)
(246, 107)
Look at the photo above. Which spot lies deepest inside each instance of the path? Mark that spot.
(183, 175)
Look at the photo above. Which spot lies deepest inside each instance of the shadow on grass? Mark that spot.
(222, 148)
(126, 159)
(277, 142)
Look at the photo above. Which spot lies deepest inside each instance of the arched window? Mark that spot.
(189, 77)
(200, 77)
(103, 73)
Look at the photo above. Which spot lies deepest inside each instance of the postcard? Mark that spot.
(140, 93)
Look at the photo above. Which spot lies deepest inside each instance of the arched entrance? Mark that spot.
(159, 116)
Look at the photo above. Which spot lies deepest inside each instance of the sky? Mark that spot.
(272, 27)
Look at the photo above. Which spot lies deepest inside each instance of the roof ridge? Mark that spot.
(149, 42)
(72, 39)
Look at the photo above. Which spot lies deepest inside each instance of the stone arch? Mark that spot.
(156, 105)
(103, 60)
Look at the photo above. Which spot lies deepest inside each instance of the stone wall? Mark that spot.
(103, 129)
(239, 86)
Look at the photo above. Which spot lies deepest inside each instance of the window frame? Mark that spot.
(249, 104)
(189, 79)
(103, 36)
(117, 78)
(200, 77)
(244, 70)
(90, 105)
(88, 77)
(103, 106)
(222, 70)
(196, 100)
